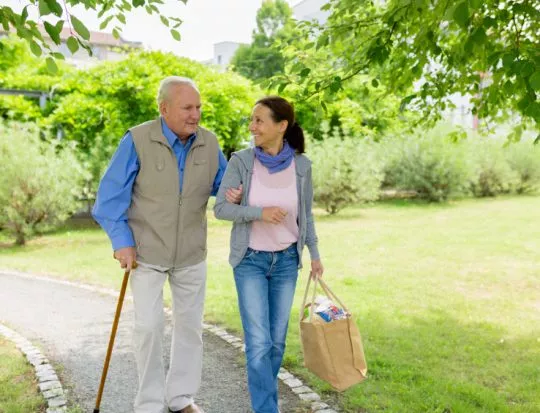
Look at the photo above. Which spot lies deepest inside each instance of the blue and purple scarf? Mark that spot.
(276, 163)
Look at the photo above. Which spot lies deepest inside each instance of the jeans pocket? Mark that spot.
(292, 251)
(249, 253)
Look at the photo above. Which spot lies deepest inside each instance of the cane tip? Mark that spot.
(96, 410)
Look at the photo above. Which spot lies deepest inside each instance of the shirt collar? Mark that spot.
(170, 135)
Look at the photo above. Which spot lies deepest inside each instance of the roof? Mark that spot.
(96, 38)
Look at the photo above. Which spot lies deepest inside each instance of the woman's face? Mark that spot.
(266, 132)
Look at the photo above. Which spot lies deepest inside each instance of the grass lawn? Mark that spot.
(447, 298)
(18, 386)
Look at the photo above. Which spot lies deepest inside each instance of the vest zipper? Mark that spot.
(193, 146)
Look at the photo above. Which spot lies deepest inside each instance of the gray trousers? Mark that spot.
(157, 392)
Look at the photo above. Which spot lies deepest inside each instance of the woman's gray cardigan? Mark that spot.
(239, 171)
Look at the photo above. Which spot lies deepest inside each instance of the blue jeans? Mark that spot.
(265, 282)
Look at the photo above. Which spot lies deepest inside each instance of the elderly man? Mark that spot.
(152, 204)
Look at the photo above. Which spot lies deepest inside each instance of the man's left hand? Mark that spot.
(234, 195)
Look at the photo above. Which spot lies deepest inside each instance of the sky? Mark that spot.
(205, 22)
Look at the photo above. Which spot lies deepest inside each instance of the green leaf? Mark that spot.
(534, 81)
(51, 65)
(374, 83)
(537, 140)
(58, 56)
(24, 14)
(476, 4)
(322, 41)
(405, 101)
(105, 23)
(72, 44)
(524, 103)
(335, 85)
(479, 36)
(533, 110)
(508, 60)
(175, 34)
(121, 18)
(164, 20)
(461, 14)
(116, 33)
(80, 28)
(489, 22)
(43, 8)
(305, 72)
(281, 88)
(138, 3)
(323, 106)
(527, 69)
(53, 32)
(54, 7)
(34, 47)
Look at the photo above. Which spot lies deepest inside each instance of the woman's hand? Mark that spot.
(273, 215)
(317, 269)
(234, 195)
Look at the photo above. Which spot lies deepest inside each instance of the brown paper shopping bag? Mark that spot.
(332, 350)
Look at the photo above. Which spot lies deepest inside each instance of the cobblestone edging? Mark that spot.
(304, 392)
(48, 382)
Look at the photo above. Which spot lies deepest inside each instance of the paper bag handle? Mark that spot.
(329, 293)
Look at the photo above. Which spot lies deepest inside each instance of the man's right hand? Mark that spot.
(273, 215)
(127, 257)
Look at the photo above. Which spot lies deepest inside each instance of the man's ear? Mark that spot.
(162, 108)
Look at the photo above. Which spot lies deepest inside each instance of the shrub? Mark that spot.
(432, 164)
(524, 159)
(345, 172)
(38, 184)
(492, 172)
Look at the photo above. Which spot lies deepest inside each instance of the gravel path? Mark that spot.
(72, 326)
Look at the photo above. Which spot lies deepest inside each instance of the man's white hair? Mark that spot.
(168, 82)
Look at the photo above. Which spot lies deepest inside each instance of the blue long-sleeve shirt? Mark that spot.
(114, 192)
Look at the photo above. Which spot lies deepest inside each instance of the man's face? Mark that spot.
(182, 110)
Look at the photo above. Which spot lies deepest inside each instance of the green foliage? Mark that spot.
(39, 182)
(260, 60)
(524, 159)
(55, 14)
(346, 172)
(431, 163)
(108, 99)
(95, 107)
(492, 172)
(425, 52)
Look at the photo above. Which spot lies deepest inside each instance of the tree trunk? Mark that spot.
(20, 240)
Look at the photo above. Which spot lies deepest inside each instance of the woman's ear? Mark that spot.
(283, 126)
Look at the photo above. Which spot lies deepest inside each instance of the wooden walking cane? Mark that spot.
(111, 339)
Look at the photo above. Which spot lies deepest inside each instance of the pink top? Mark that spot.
(274, 190)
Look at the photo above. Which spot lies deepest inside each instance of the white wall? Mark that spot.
(311, 9)
(223, 53)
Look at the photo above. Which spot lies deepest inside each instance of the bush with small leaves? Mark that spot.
(492, 173)
(524, 159)
(432, 164)
(346, 171)
(39, 183)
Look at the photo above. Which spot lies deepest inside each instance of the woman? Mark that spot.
(271, 226)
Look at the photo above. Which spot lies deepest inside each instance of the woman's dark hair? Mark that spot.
(281, 109)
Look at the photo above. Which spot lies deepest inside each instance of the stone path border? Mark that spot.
(304, 392)
(48, 382)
